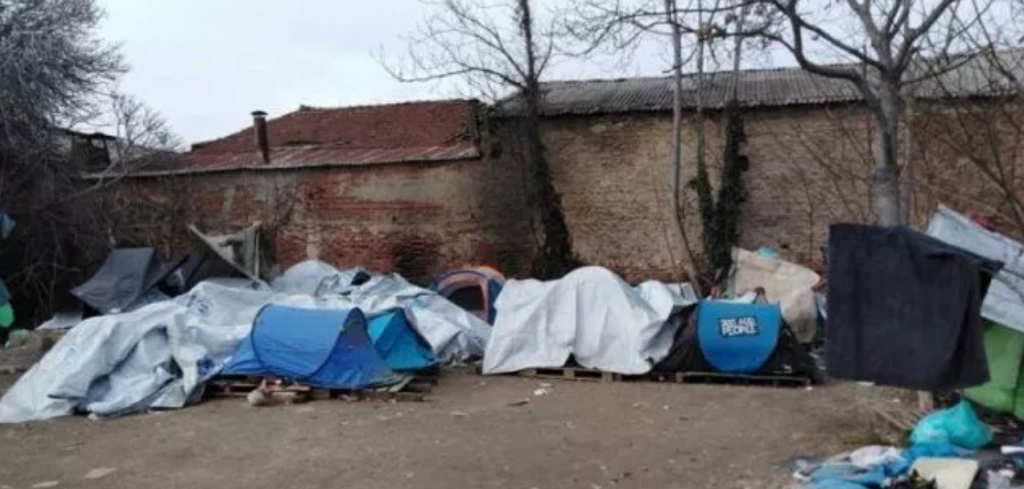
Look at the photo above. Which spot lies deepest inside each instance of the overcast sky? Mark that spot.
(206, 64)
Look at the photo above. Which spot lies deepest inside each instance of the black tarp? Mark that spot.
(904, 309)
(126, 275)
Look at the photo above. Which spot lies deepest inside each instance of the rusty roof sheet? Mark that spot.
(311, 156)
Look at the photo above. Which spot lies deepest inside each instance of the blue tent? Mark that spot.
(397, 341)
(736, 337)
(321, 348)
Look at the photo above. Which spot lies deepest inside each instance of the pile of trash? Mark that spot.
(949, 449)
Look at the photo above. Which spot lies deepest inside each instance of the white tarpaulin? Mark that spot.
(789, 284)
(1004, 301)
(591, 314)
(159, 356)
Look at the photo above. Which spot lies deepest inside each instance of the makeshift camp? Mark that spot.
(125, 276)
(398, 343)
(735, 337)
(789, 284)
(320, 348)
(161, 355)
(239, 254)
(473, 289)
(591, 315)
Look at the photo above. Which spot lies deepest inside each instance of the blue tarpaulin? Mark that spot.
(397, 341)
(321, 348)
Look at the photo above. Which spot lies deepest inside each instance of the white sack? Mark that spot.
(786, 283)
(1004, 301)
(591, 314)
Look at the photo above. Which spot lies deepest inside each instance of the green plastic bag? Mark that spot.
(6, 315)
(958, 425)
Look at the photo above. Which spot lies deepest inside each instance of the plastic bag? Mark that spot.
(958, 425)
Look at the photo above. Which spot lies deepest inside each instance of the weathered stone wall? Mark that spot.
(809, 167)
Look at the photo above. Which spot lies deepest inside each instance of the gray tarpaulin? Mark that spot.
(591, 314)
(126, 275)
(159, 355)
(1004, 301)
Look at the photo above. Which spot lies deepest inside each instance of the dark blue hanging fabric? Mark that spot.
(904, 309)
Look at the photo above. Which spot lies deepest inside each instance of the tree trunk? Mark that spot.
(556, 254)
(887, 190)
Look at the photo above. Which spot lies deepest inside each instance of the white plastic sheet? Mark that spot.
(591, 314)
(160, 355)
(1004, 301)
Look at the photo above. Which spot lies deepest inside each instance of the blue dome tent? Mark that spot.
(398, 343)
(321, 348)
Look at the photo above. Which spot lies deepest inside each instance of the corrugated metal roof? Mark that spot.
(310, 156)
(976, 76)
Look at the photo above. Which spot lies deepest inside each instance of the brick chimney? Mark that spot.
(259, 131)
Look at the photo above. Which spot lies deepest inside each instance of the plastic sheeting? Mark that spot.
(1004, 301)
(453, 334)
(160, 355)
(789, 284)
(591, 314)
(156, 356)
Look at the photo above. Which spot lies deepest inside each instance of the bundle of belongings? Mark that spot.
(337, 329)
(904, 309)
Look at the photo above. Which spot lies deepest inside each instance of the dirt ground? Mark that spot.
(580, 435)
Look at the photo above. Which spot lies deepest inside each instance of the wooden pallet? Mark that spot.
(572, 373)
(575, 373)
(412, 390)
(731, 379)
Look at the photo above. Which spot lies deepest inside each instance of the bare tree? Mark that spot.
(141, 138)
(696, 30)
(882, 39)
(987, 130)
(494, 46)
(53, 68)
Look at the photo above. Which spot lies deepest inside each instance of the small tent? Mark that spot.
(1004, 392)
(397, 342)
(473, 289)
(321, 348)
(240, 254)
(735, 338)
(125, 276)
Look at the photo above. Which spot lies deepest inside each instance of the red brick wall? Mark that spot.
(418, 219)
